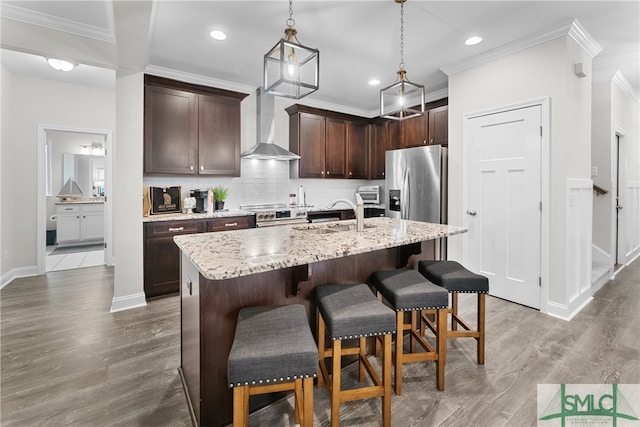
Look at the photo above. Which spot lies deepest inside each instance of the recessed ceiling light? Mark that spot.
(374, 82)
(473, 40)
(218, 35)
(60, 64)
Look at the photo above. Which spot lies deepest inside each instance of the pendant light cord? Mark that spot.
(291, 22)
(402, 36)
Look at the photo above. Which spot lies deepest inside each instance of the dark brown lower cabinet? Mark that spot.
(162, 256)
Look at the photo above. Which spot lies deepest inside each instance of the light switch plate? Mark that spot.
(594, 171)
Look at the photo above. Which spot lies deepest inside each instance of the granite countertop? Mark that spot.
(229, 254)
(80, 202)
(180, 217)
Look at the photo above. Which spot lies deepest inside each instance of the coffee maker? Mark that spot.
(202, 200)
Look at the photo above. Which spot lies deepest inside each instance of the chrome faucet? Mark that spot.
(358, 209)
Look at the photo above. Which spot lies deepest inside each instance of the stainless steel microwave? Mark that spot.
(370, 194)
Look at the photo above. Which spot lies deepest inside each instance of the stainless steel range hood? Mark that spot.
(266, 148)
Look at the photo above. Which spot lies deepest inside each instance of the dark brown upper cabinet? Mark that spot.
(357, 150)
(330, 144)
(190, 129)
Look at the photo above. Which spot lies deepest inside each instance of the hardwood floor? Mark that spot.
(67, 361)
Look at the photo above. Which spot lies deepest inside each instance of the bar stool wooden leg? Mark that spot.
(481, 313)
(386, 374)
(241, 406)
(441, 346)
(321, 349)
(454, 311)
(335, 382)
(398, 351)
(307, 386)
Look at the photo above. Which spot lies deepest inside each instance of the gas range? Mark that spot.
(268, 215)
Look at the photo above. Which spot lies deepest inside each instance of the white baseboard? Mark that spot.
(17, 273)
(128, 302)
(567, 313)
(599, 282)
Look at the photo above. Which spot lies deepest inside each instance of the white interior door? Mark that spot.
(504, 202)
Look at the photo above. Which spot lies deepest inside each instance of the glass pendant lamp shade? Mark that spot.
(403, 99)
(291, 69)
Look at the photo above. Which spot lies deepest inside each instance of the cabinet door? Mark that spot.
(357, 150)
(377, 150)
(92, 222)
(394, 136)
(218, 136)
(415, 131)
(170, 131)
(311, 140)
(336, 144)
(162, 256)
(439, 126)
(68, 227)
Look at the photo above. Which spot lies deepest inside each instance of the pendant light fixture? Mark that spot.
(291, 69)
(403, 99)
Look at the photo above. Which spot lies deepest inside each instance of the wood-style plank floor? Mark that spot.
(67, 361)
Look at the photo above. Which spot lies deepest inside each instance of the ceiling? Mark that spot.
(358, 40)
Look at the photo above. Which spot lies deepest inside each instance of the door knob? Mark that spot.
(471, 212)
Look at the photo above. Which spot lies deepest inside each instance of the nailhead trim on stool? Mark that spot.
(408, 290)
(456, 279)
(273, 350)
(353, 311)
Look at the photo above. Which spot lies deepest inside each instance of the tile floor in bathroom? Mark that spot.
(73, 260)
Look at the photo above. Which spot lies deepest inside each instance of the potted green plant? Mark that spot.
(220, 194)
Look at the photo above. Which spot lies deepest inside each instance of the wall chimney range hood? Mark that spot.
(266, 148)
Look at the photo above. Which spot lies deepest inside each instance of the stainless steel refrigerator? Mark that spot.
(416, 183)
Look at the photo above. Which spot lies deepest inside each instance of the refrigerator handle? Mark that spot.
(405, 200)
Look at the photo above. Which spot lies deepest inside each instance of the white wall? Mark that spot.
(39, 102)
(625, 116)
(601, 158)
(539, 71)
(7, 190)
(128, 286)
(615, 109)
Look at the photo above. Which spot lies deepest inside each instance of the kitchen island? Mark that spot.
(223, 272)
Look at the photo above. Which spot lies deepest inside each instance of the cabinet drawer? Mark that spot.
(97, 208)
(231, 223)
(170, 228)
(68, 209)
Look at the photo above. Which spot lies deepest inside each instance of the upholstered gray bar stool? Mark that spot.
(353, 311)
(273, 350)
(456, 279)
(409, 291)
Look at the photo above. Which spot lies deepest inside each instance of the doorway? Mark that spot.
(74, 158)
(504, 151)
(620, 213)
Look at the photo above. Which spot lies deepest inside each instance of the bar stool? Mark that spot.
(408, 290)
(353, 311)
(273, 350)
(456, 279)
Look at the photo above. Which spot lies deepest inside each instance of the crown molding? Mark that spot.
(27, 16)
(572, 29)
(580, 35)
(619, 80)
(198, 79)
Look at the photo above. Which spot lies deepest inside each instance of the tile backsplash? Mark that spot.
(266, 181)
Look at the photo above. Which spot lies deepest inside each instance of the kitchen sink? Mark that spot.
(322, 230)
(331, 228)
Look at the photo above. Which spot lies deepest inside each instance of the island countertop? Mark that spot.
(229, 254)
